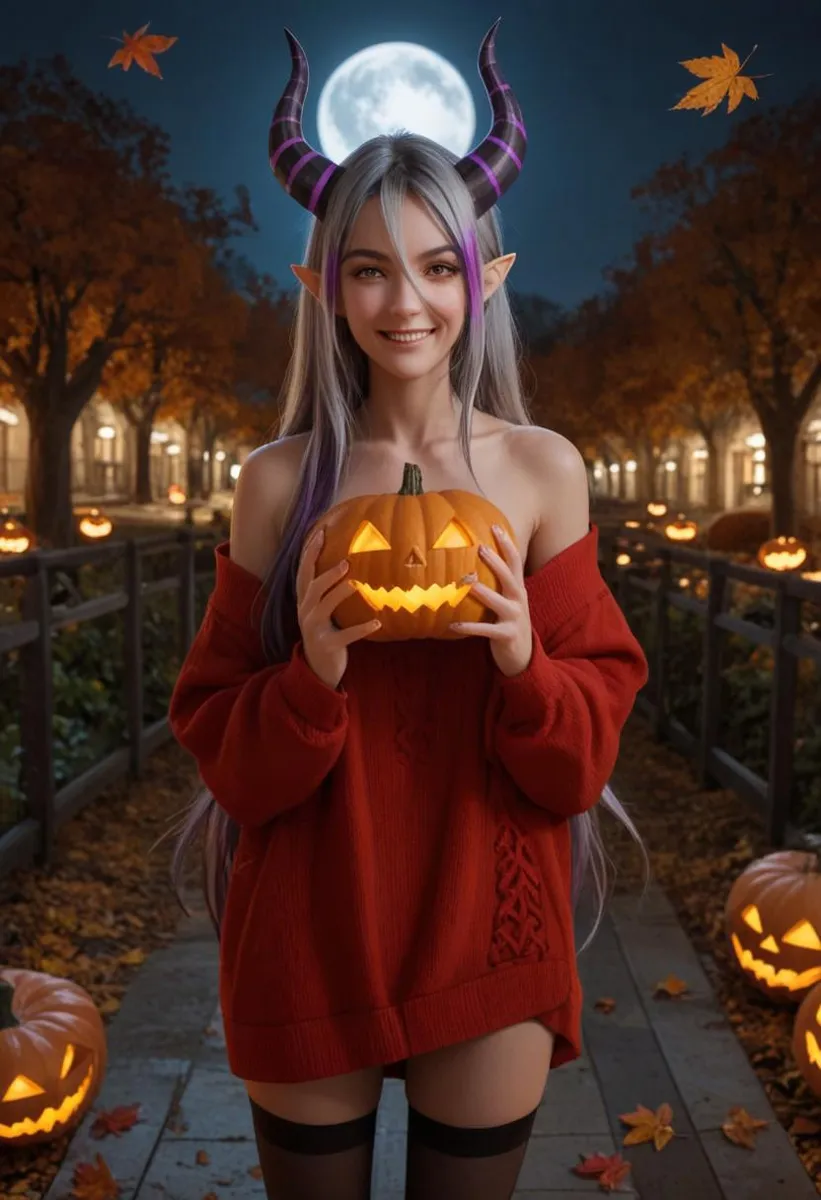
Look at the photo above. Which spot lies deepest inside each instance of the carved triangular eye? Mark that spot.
(803, 934)
(21, 1088)
(368, 537)
(453, 537)
(68, 1061)
(752, 918)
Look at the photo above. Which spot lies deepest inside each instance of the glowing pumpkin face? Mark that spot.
(52, 1056)
(408, 552)
(783, 554)
(773, 920)
(806, 1039)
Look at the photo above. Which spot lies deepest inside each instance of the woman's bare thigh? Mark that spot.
(487, 1081)
(321, 1101)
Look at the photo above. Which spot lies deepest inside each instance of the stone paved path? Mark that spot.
(167, 1052)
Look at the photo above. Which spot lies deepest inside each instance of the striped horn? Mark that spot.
(305, 174)
(494, 165)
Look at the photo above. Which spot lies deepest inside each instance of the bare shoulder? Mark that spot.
(562, 498)
(265, 490)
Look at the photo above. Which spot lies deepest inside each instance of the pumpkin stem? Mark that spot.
(411, 481)
(7, 1017)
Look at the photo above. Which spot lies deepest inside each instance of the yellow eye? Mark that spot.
(68, 1061)
(751, 917)
(21, 1088)
(367, 537)
(453, 537)
(804, 935)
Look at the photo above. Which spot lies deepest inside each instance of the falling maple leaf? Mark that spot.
(721, 78)
(671, 987)
(610, 1170)
(605, 1004)
(141, 48)
(116, 1120)
(742, 1128)
(94, 1181)
(649, 1126)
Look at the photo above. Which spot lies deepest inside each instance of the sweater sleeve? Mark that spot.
(264, 736)
(556, 726)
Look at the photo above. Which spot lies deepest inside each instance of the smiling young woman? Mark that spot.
(397, 828)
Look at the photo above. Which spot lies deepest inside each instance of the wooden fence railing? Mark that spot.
(48, 808)
(770, 796)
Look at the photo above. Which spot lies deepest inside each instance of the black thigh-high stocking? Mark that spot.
(314, 1162)
(449, 1163)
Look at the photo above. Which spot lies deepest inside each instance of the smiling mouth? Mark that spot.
(411, 599)
(782, 977)
(410, 338)
(51, 1117)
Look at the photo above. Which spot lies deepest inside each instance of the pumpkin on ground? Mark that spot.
(53, 1055)
(408, 551)
(806, 1039)
(773, 918)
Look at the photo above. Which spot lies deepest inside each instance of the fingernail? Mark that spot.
(471, 577)
(497, 529)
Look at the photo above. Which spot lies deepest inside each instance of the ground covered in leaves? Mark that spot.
(106, 904)
(698, 841)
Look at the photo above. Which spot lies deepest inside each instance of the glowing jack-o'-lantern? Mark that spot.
(52, 1055)
(408, 552)
(806, 1038)
(681, 530)
(657, 509)
(95, 525)
(176, 494)
(783, 554)
(14, 537)
(773, 918)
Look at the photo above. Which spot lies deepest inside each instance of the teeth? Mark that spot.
(407, 337)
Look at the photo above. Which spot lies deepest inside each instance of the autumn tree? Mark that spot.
(89, 234)
(741, 233)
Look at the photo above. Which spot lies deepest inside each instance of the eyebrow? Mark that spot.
(363, 253)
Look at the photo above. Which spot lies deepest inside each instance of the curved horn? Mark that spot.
(304, 173)
(494, 165)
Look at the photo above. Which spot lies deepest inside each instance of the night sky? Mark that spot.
(595, 79)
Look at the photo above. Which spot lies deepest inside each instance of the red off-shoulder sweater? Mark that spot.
(402, 879)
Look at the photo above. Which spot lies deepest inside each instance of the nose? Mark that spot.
(403, 300)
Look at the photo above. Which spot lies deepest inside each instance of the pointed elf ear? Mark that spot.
(496, 272)
(309, 279)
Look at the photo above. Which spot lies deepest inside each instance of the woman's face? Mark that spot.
(377, 299)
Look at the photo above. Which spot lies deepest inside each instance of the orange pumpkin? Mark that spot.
(408, 551)
(773, 918)
(806, 1039)
(783, 554)
(52, 1055)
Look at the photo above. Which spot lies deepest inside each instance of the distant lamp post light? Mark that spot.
(631, 466)
(234, 471)
(632, 524)
(95, 524)
(756, 441)
(783, 554)
(107, 433)
(623, 560)
(7, 417)
(681, 530)
(14, 537)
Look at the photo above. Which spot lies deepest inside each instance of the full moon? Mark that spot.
(391, 86)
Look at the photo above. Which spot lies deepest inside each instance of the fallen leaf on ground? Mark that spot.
(94, 1181)
(115, 1120)
(605, 1004)
(649, 1126)
(671, 987)
(805, 1127)
(721, 78)
(742, 1128)
(203, 1159)
(610, 1170)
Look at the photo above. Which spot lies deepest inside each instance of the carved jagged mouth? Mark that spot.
(783, 977)
(412, 599)
(50, 1117)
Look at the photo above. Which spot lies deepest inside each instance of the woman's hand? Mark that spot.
(325, 647)
(511, 636)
